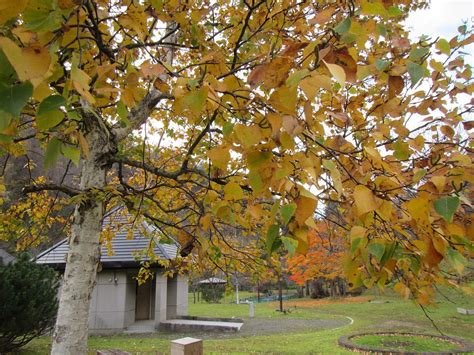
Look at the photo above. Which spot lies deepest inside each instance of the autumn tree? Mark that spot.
(323, 262)
(202, 114)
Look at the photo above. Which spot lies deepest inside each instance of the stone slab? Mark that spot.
(197, 325)
(112, 352)
(466, 311)
(186, 346)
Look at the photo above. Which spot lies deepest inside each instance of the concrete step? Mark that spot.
(199, 325)
(141, 327)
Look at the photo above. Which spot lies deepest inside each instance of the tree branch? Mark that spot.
(51, 187)
(140, 113)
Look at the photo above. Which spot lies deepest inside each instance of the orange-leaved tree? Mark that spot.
(322, 262)
(199, 115)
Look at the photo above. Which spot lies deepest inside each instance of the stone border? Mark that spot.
(469, 312)
(345, 342)
(212, 319)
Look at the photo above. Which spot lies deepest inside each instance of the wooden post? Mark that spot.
(251, 310)
(186, 346)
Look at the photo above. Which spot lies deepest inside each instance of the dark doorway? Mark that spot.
(144, 301)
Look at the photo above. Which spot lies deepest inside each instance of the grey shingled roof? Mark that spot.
(5, 258)
(124, 250)
(212, 280)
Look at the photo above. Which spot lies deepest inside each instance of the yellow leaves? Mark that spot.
(401, 289)
(335, 175)
(344, 58)
(434, 253)
(438, 66)
(323, 16)
(291, 125)
(447, 131)
(135, 19)
(337, 72)
(30, 63)
(205, 222)
(219, 156)
(373, 155)
(365, 200)
(439, 182)
(67, 4)
(256, 159)
(301, 236)
(395, 86)
(248, 135)
(274, 74)
(275, 121)
(312, 84)
(418, 208)
(255, 211)
(195, 100)
(10, 9)
(80, 81)
(150, 70)
(270, 75)
(83, 145)
(455, 230)
(305, 207)
(357, 232)
(443, 46)
(284, 99)
(233, 191)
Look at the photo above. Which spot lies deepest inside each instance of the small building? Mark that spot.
(118, 302)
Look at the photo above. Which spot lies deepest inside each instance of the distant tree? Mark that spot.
(28, 302)
(322, 264)
(212, 293)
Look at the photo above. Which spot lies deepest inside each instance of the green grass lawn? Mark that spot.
(395, 314)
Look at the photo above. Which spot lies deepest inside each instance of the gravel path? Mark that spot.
(270, 326)
(262, 326)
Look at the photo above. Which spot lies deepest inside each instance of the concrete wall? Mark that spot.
(177, 296)
(161, 298)
(114, 296)
(130, 294)
(112, 302)
(183, 291)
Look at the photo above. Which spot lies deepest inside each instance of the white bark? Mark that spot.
(71, 330)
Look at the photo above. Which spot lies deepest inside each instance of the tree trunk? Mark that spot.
(71, 330)
(280, 291)
(258, 292)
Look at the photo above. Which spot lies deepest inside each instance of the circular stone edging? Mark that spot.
(345, 342)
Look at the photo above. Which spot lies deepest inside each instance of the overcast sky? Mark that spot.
(442, 19)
